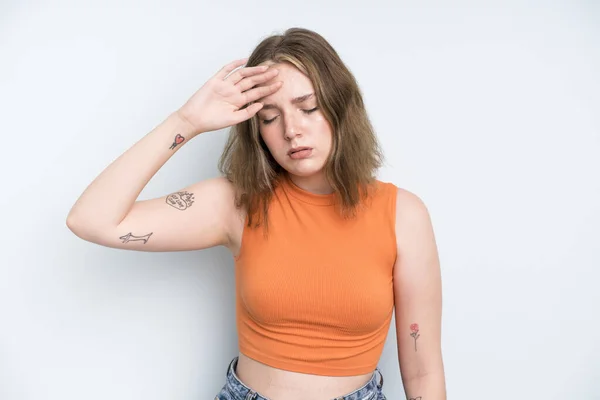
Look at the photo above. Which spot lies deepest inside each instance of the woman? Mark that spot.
(323, 251)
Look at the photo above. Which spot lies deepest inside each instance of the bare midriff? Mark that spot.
(278, 384)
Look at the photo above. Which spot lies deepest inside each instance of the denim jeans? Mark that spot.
(234, 389)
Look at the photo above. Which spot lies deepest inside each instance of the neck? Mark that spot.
(316, 183)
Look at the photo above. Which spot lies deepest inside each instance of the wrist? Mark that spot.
(188, 129)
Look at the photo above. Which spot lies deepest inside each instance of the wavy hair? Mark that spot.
(355, 154)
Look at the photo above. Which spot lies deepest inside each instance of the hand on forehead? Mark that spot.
(295, 84)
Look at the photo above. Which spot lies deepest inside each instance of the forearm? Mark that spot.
(108, 199)
(427, 387)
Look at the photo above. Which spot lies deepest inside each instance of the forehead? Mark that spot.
(295, 83)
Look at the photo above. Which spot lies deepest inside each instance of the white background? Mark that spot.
(490, 112)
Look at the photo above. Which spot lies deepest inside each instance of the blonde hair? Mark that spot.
(355, 154)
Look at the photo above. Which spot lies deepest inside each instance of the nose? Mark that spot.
(292, 128)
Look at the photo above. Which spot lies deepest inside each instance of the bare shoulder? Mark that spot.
(412, 215)
(408, 202)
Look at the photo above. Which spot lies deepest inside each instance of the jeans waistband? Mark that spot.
(240, 391)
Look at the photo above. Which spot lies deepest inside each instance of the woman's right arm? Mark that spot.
(192, 218)
(199, 216)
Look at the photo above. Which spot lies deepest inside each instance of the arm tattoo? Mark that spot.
(415, 333)
(130, 238)
(180, 200)
(178, 140)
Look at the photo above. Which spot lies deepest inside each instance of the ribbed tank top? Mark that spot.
(316, 295)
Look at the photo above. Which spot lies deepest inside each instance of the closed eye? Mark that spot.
(268, 121)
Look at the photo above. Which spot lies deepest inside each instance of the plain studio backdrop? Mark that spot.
(490, 112)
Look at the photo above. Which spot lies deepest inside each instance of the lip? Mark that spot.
(295, 149)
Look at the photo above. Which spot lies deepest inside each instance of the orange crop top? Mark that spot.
(316, 296)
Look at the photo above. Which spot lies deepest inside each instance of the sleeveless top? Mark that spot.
(316, 295)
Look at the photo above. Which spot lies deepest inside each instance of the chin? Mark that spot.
(303, 170)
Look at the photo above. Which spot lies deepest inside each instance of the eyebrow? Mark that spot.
(295, 100)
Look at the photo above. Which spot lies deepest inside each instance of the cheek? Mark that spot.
(323, 123)
(270, 138)
(327, 133)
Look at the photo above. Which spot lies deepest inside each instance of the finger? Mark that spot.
(230, 67)
(260, 92)
(247, 112)
(242, 73)
(250, 82)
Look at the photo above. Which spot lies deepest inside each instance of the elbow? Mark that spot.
(79, 228)
(72, 222)
(75, 226)
(87, 230)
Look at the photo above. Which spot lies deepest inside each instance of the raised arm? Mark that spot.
(195, 217)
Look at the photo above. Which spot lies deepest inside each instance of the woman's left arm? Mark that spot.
(418, 301)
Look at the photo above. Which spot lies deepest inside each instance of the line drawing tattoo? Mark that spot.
(128, 238)
(415, 334)
(415, 398)
(178, 140)
(180, 200)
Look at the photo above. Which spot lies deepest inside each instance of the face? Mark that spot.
(292, 125)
